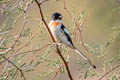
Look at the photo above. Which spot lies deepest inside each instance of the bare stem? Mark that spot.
(109, 72)
(56, 73)
(79, 29)
(22, 75)
(23, 25)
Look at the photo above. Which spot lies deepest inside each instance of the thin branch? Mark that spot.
(22, 75)
(15, 77)
(24, 23)
(59, 53)
(16, 54)
(26, 43)
(5, 67)
(16, 4)
(23, 26)
(109, 72)
(43, 1)
(7, 76)
(56, 73)
(75, 34)
(2, 41)
(35, 50)
(6, 51)
(2, 33)
(79, 27)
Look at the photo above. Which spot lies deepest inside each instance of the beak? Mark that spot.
(60, 17)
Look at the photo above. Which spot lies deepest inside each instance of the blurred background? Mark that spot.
(100, 33)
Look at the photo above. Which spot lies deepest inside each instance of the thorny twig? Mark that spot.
(79, 29)
(58, 51)
(7, 75)
(23, 26)
(22, 75)
(56, 73)
(15, 54)
(2, 33)
(24, 23)
(42, 1)
(109, 72)
(15, 78)
(35, 50)
(26, 43)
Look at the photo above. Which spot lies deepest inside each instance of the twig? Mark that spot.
(42, 1)
(29, 51)
(59, 53)
(26, 43)
(16, 4)
(109, 72)
(4, 32)
(75, 36)
(15, 55)
(4, 52)
(56, 73)
(2, 41)
(23, 26)
(7, 76)
(15, 77)
(24, 23)
(5, 67)
(79, 27)
(22, 75)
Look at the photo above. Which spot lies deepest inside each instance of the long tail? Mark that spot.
(84, 57)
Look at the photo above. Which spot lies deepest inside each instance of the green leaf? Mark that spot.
(32, 1)
(3, 48)
(31, 63)
(2, 27)
(86, 74)
(114, 78)
(27, 33)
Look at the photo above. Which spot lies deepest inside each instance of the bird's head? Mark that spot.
(56, 16)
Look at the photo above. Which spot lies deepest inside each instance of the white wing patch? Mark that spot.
(66, 30)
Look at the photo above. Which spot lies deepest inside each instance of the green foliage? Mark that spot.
(4, 1)
(32, 1)
(82, 15)
(27, 33)
(37, 78)
(114, 78)
(116, 33)
(46, 57)
(86, 74)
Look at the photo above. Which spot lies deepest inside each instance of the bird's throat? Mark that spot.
(54, 24)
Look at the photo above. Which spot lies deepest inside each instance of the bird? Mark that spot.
(61, 35)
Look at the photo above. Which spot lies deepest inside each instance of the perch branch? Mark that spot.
(59, 53)
(109, 72)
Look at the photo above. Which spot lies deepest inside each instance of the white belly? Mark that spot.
(59, 36)
(54, 33)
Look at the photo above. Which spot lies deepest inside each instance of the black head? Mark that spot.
(56, 16)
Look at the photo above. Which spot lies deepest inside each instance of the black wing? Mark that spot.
(67, 35)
